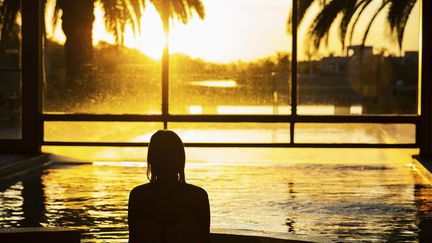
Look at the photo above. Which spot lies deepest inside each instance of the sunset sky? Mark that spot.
(242, 30)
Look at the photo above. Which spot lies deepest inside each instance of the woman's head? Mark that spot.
(165, 157)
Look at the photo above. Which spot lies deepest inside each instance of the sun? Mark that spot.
(241, 30)
(150, 41)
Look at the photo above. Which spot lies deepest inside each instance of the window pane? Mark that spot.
(10, 82)
(90, 154)
(10, 51)
(234, 61)
(88, 70)
(232, 132)
(100, 131)
(354, 133)
(10, 105)
(350, 79)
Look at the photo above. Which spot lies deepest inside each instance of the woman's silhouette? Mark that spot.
(168, 209)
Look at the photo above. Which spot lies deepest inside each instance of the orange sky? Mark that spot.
(241, 30)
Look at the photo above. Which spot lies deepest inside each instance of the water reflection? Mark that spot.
(378, 197)
(22, 200)
(33, 196)
(423, 201)
(11, 204)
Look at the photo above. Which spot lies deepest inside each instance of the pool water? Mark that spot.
(337, 195)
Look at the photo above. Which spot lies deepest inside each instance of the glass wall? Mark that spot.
(355, 133)
(10, 82)
(233, 59)
(337, 75)
(100, 131)
(96, 66)
(232, 132)
(237, 60)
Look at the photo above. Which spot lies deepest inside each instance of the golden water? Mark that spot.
(339, 194)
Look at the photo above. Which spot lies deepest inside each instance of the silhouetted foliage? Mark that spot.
(78, 30)
(350, 12)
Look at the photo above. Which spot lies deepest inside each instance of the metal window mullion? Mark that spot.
(424, 128)
(238, 145)
(294, 69)
(412, 119)
(32, 124)
(165, 64)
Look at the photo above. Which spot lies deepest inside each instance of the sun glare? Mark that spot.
(99, 31)
(151, 41)
(216, 83)
(232, 31)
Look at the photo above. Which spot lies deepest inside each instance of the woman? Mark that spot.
(168, 209)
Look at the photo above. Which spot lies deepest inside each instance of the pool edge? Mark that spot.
(23, 164)
(424, 167)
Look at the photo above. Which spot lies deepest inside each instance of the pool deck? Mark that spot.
(39, 234)
(67, 235)
(15, 164)
(424, 166)
(252, 236)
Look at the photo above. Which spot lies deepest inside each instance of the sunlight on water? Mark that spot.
(195, 109)
(120, 163)
(367, 194)
(216, 83)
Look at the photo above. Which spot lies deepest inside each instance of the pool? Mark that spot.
(333, 194)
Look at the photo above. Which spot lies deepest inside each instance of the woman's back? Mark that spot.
(168, 209)
(168, 212)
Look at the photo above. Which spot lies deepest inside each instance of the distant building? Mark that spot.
(412, 55)
(357, 50)
(332, 65)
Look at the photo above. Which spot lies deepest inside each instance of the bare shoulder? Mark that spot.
(196, 190)
(141, 189)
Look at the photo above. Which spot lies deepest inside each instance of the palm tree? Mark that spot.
(371, 79)
(78, 17)
(350, 12)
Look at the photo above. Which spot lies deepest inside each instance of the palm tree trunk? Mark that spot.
(77, 24)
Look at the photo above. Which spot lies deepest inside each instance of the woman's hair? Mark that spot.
(165, 156)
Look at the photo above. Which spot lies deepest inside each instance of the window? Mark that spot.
(238, 69)
(10, 82)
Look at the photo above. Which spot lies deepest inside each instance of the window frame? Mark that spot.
(33, 117)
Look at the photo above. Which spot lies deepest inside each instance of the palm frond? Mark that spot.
(303, 7)
(197, 6)
(398, 14)
(183, 10)
(320, 27)
(8, 13)
(56, 13)
(350, 7)
(178, 9)
(361, 7)
(135, 8)
(372, 20)
(112, 13)
(118, 13)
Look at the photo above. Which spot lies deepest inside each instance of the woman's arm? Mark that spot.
(131, 217)
(204, 218)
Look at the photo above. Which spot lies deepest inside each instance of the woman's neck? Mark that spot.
(167, 181)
